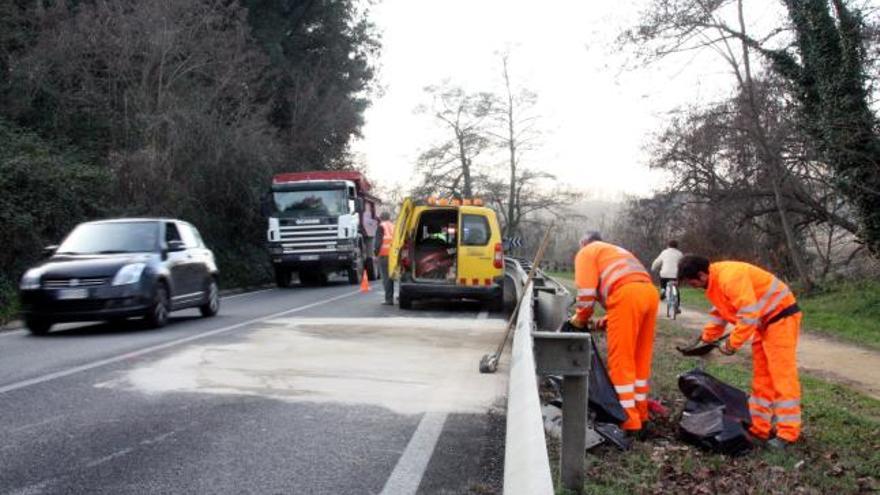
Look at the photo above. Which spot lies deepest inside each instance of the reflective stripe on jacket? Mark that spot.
(744, 295)
(599, 268)
(387, 236)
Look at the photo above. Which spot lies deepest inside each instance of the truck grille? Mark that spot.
(309, 238)
(67, 283)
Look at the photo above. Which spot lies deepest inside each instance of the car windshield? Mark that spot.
(311, 204)
(109, 238)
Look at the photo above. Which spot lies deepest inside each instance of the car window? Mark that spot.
(171, 233)
(189, 239)
(474, 230)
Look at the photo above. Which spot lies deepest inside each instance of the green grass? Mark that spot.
(565, 275)
(849, 311)
(694, 298)
(840, 446)
(8, 305)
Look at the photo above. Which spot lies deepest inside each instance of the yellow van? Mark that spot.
(447, 249)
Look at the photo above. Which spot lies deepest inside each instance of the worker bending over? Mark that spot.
(762, 308)
(612, 276)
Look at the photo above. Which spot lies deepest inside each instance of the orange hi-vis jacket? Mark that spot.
(744, 295)
(387, 237)
(600, 268)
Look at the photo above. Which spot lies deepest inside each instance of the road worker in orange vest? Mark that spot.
(761, 308)
(383, 249)
(613, 277)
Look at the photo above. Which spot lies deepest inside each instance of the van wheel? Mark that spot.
(37, 326)
(496, 304)
(404, 300)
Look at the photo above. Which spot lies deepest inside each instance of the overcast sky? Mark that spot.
(596, 116)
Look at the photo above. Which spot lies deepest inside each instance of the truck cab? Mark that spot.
(447, 249)
(320, 223)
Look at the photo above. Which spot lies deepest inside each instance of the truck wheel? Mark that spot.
(404, 300)
(37, 326)
(372, 272)
(353, 276)
(282, 277)
(354, 272)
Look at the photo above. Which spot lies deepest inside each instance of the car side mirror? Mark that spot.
(174, 246)
(359, 205)
(49, 250)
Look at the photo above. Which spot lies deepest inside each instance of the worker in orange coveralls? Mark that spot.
(762, 308)
(612, 276)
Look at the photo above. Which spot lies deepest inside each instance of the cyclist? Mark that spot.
(667, 264)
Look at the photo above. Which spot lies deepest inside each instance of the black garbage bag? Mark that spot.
(716, 415)
(602, 401)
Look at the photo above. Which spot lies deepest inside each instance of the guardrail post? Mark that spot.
(568, 354)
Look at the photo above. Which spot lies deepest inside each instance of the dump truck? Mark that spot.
(321, 222)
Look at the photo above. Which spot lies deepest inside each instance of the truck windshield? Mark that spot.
(116, 237)
(311, 204)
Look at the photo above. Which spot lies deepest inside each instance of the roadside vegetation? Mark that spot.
(838, 453)
(179, 108)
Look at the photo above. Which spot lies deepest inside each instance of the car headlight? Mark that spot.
(129, 274)
(30, 280)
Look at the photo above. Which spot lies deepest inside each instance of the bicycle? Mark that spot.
(673, 300)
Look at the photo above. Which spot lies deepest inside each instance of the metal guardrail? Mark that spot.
(526, 463)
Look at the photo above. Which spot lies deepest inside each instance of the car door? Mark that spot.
(197, 263)
(400, 235)
(178, 265)
(476, 251)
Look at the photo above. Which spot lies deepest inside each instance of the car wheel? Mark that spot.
(38, 326)
(212, 304)
(157, 315)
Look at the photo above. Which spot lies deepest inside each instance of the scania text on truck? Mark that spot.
(321, 223)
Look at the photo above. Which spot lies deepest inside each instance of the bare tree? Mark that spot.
(448, 167)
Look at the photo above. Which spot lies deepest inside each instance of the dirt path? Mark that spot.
(844, 363)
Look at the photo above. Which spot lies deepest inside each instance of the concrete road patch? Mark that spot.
(408, 365)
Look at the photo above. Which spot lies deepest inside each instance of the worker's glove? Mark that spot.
(725, 348)
(577, 323)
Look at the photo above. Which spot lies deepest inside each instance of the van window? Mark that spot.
(474, 230)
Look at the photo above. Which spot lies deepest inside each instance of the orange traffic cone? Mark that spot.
(365, 284)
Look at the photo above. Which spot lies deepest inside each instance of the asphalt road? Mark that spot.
(305, 390)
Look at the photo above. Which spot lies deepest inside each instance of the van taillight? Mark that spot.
(499, 256)
(404, 256)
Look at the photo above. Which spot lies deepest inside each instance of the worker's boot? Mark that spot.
(777, 443)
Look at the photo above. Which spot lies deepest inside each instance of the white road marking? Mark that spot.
(159, 347)
(407, 475)
(233, 296)
(410, 468)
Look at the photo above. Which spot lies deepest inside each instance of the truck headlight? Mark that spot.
(30, 280)
(344, 244)
(129, 274)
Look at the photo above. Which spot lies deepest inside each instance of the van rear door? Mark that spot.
(478, 242)
(400, 234)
